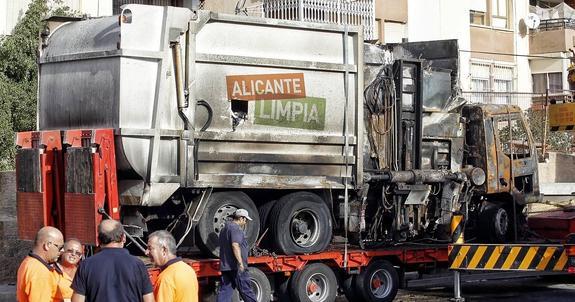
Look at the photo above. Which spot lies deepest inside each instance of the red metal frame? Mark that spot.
(35, 208)
(85, 207)
(357, 259)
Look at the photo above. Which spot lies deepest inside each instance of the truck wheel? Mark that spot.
(260, 285)
(348, 286)
(300, 223)
(497, 223)
(264, 211)
(218, 208)
(378, 282)
(316, 282)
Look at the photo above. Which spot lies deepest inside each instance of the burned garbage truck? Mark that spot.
(166, 118)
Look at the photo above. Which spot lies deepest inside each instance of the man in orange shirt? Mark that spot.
(177, 281)
(36, 282)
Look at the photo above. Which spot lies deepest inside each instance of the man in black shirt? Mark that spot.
(112, 274)
(234, 260)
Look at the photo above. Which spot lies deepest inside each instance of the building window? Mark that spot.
(500, 13)
(116, 4)
(552, 81)
(477, 12)
(496, 14)
(492, 83)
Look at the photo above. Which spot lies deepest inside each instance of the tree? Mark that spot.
(19, 74)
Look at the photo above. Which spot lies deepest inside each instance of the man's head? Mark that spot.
(111, 233)
(49, 243)
(241, 217)
(161, 247)
(73, 252)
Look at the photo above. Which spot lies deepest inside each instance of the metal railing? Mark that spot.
(553, 24)
(521, 99)
(358, 12)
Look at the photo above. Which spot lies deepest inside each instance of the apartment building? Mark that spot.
(11, 11)
(550, 45)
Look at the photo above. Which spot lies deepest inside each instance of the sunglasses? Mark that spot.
(74, 252)
(59, 247)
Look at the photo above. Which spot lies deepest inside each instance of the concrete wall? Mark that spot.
(542, 42)
(558, 168)
(485, 39)
(442, 19)
(12, 250)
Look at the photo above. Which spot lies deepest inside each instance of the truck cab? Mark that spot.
(498, 141)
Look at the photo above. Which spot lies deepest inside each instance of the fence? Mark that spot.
(359, 12)
(525, 100)
(553, 24)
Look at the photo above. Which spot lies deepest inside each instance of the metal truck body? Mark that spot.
(211, 113)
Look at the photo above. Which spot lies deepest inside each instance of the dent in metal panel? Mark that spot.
(440, 124)
(92, 35)
(267, 182)
(79, 94)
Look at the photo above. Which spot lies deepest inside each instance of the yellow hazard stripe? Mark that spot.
(508, 257)
(478, 254)
(528, 258)
(494, 257)
(561, 262)
(546, 258)
(512, 255)
(461, 256)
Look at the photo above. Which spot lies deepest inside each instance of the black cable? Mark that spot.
(204, 128)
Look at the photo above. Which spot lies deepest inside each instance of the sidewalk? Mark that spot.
(7, 293)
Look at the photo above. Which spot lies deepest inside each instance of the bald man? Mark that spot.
(35, 281)
(112, 274)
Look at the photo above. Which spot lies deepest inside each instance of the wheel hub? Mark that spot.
(222, 216)
(381, 283)
(317, 287)
(304, 228)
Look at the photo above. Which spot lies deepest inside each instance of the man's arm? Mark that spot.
(238, 254)
(148, 297)
(76, 297)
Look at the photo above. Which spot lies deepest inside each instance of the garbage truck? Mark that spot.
(165, 118)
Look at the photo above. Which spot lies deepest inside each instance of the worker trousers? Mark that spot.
(236, 280)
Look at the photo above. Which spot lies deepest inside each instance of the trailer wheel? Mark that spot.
(497, 223)
(348, 287)
(378, 282)
(300, 223)
(260, 285)
(218, 208)
(264, 211)
(316, 282)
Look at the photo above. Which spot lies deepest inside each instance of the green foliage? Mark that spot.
(18, 77)
(556, 141)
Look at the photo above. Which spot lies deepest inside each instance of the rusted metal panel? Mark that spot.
(562, 116)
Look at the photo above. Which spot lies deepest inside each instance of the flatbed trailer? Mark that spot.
(360, 274)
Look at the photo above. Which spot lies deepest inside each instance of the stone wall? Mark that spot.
(12, 250)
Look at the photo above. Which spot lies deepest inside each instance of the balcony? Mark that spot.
(358, 12)
(553, 35)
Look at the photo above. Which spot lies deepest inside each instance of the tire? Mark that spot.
(300, 223)
(348, 287)
(260, 285)
(282, 293)
(264, 212)
(316, 282)
(496, 221)
(379, 282)
(218, 207)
